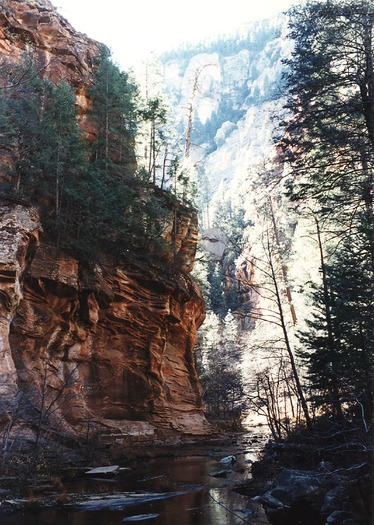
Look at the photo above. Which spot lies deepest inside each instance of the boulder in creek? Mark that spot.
(315, 497)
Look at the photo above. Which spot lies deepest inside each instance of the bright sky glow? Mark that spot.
(133, 29)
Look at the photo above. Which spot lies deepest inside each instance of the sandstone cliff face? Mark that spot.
(18, 237)
(107, 348)
(90, 349)
(35, 28)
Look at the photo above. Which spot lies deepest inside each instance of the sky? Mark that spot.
(133, 29)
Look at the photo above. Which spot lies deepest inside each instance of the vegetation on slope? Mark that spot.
(93, 199)
(329, 146)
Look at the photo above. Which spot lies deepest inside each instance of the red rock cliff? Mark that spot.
(109, 349)
(35, 27)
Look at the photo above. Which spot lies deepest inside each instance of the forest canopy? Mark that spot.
(93, 199)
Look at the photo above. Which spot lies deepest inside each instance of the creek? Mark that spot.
(189, 487)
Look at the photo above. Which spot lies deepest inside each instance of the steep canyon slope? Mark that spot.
(234, 85)
(89, 348)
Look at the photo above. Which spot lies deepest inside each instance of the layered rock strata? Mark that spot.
(87, 350)
(107, 348)
(34, 28)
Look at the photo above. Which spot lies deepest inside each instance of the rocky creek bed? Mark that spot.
(318, 477)
(188, 484)
(192, 483)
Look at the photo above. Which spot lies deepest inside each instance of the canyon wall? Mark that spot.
(35, 28)
(238, 106)
(89, 348)
(108, 347)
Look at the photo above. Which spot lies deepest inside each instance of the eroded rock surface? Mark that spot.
(110, 348)
(19, 233)
(106, 350)
(35, 28)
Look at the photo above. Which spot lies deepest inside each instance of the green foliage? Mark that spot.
(329, 137)
(340, 361)
(7, 142)
(114, 111)
(220, 372)
(92, 202)
(230, 219)
(60, 161)
(329, 144)
(7, 130)
(155, 116)
(23, 106)
(224, 289)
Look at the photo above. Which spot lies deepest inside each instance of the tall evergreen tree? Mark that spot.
(329, 135)
(338, 347)
(114, 111)
(61, 161)
(24, 102)
(330, 148)
(154, 115)
(7, 142)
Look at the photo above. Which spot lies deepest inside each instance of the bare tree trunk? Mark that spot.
(190, 108)
(283, 265)
(283, 324)
(164, 163)
(187, 146)
(41, 410)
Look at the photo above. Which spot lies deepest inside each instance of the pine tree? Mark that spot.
(329, 144)
(25, 106)
(7, 143)
(60, 158)
(114, 111)
(329, 139)
(338, 348)
(154, 115)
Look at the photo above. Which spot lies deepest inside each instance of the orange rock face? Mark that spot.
(34, 27)
(110, 347)
(105, 350)
(19, 233)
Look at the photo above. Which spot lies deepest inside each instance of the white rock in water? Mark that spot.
(112, 469)
(141, 517)
(228, 460)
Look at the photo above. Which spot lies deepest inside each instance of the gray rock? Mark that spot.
(270, 501)
(121, 500)
(228, 460)
(141, 517)
(104, 471)
(294, 487)
(338, 517)
(332, 500)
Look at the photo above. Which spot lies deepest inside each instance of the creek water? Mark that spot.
(191, 487)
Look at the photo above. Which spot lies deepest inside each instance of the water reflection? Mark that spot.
(189, 509)
(203, 499)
